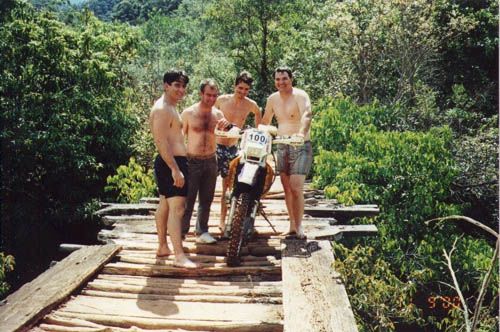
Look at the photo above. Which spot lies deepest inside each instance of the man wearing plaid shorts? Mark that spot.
(292, 108)
(236, 107)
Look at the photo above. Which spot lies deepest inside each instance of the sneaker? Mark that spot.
(205, 238)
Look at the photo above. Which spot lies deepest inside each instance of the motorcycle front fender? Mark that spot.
(248, 173)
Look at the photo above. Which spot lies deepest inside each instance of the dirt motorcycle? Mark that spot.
(250, 177)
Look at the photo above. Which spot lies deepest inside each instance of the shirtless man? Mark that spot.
(236, 108)
(199, 122)
(292, 108)
(170, 166)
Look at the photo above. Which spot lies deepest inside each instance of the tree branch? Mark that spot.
(456, 286)
(484, 287)
(464, 218)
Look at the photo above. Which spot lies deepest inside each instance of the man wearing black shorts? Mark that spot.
(170, 166)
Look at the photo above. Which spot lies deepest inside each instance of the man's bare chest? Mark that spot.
(235, 113)
(204, 122)
(287, 109)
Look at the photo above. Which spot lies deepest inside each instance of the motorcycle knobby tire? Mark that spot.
(236, 233)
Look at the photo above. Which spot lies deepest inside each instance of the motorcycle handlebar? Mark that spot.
(289, 140)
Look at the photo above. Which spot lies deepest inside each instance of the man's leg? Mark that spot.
(175, 213)
(193, 186)
(285, 180)
(161, 218)
(297, 191)
(223, 204)
(206, 190)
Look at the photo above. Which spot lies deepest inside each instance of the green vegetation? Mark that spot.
(405, 116)
(7, 264)
(131, 182)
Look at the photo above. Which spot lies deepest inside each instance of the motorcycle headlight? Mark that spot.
(254, 152)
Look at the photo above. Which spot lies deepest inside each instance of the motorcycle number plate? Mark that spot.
(258, 137)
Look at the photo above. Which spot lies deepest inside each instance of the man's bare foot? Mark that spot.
(184, 262)
(300, 234)
(291, 234)
(163, 252)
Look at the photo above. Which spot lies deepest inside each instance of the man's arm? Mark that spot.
(306, 118)
(269, 113)
(257, 114)
(160, 121)
(185, 122)
(222, 122)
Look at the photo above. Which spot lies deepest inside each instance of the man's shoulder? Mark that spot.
(299, 92)
(273, 96)
(251, 101)
(158, 109)
(224, 98)
(190, 109)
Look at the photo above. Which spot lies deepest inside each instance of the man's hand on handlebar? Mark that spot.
(223, 124)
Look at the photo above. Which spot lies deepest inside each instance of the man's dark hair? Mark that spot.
(176, 75)
(284, 69)
(208, 82)
(244, 77)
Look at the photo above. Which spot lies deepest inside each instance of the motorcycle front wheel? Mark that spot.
(236, 232)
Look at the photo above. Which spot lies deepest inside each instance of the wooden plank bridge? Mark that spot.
(282, 285)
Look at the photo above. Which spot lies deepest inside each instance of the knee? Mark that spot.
(162, 209)
(296, 191)
(178, 211)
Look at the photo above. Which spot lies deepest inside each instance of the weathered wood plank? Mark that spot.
(163, 270)
(257, 248)
(186, 298)
(342, 213)
(167, 323)
(336, 232)
(24, 307)
(314, 298)
(149, 288)
(186, 282)
(59, 322)
(191, 311)
(126, 208)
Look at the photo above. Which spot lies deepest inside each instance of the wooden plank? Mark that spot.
(186, 282)
(187, 298)
(314, 298)
(119, 208)
(24, 307)
(154, 288)
(168, 323)
(336, 232)
(187, 311)
(164, 270)
(65, 324)
(342, 213)
(257, 248)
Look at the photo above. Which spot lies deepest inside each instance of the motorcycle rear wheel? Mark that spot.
(236, 234)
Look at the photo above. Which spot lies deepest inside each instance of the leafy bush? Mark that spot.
(410, 176)
(7, 263)
(131, 182)
(381, 296)
(67, 122)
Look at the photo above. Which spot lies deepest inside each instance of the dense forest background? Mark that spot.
(405, 103)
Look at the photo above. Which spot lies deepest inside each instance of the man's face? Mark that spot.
(282, 81)
(241, 90)
(209, 96)
(176, 90)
